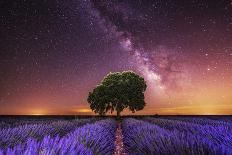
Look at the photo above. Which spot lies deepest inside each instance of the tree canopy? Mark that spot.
(118, 91)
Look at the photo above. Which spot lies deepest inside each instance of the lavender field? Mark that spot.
(132, 136)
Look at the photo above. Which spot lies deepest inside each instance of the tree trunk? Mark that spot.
(118, 115)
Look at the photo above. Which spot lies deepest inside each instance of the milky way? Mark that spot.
(162, 67)
(52, 53)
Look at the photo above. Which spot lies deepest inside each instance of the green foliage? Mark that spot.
(118, 91)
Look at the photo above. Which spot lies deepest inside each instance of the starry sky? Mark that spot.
(53, 52)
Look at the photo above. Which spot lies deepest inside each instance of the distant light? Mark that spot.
(84, 110)
(37, 114)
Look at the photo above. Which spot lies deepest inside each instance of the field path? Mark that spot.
(119, 147)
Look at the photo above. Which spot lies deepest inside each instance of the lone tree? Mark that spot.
(118, 91)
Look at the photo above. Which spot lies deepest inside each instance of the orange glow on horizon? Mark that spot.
(84, 110)
(180, 110)
(38, 112)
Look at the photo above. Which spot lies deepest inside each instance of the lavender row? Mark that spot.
(141, 137)
(12, 121)
(220, 134)
(205, 121)
(12, 136)
(96, 138)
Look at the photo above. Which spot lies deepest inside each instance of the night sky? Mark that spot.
(52, 53)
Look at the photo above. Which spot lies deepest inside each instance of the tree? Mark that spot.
(118, 91)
